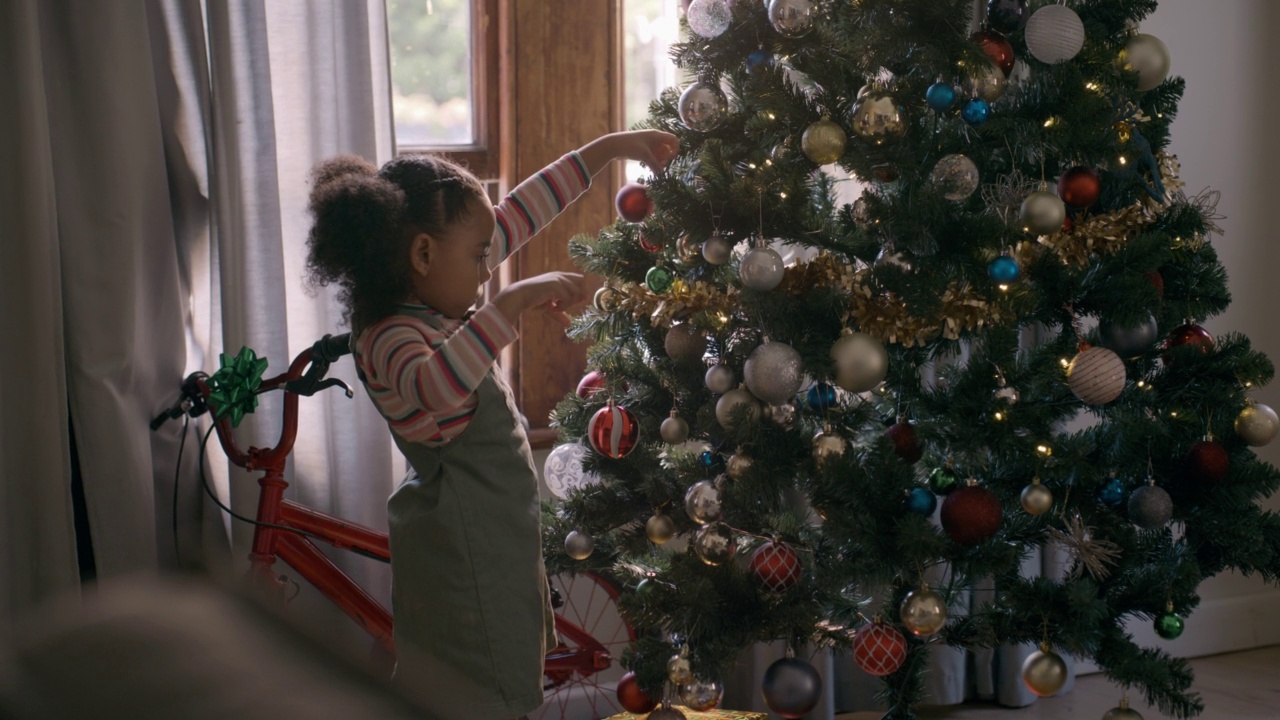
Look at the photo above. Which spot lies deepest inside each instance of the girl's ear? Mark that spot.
(420, 253)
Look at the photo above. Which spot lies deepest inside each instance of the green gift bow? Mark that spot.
(233, 388)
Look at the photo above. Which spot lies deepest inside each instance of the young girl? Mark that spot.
(411, 245)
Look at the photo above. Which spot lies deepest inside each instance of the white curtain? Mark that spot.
(153, 183)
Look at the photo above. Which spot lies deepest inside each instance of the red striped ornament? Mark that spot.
(1096, 376)
(613, 431)
(776, 566)
(879, 649)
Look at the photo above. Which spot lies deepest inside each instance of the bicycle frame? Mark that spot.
(301, 553)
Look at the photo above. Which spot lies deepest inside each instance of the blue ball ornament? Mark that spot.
(757, 59)
(940, 96)
(976, 111)
(821, 397)
(922, 501)
(1004, 269)
(1112, 493)
(709, 458)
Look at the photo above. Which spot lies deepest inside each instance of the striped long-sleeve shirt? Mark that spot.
(422, 377)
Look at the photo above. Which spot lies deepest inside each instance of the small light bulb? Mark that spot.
(1004, 287)
(999, 415)
(1065, 362)
(782, 195)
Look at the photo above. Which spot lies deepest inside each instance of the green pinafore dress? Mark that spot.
(469, 590)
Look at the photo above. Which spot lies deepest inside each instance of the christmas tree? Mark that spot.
(1010, 322)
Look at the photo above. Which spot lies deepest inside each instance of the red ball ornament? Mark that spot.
(590, 384)
(633, 202)
(879, 649)
(904, 440)
(613, 431)
(631, 697)
(1068, 224)
(776, 566)
(1207, 462)
(971, 514)
(1189, 334)
(644, 243)
(1079, 187)
(995, 46)
(1157, 280)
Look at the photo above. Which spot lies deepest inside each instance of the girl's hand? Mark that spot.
(554, 292)
(654, 148)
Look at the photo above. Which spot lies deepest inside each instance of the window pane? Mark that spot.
(651, 26)
(431, 72)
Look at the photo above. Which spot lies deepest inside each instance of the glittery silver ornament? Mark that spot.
(717, 249)
(860, 361)
(1042, 213)
(956, 176)
(1257, 424)
(720, 379)
(985, 80)
(1128, 342)
(714, 543)
(684, 343)
(578, 545)
(774, 372)
(827, 446)
(673, 429)
(1147, 56)
(709, 18)
(761, 269)
(738, 465)
(732, 403)
(1036, 498)
(660, 528)
(1054, 34)
(702, 502)
(923, 612)
(791, 18)
(879, 119)
(701, 695)
(702, 107)
(1150, 507)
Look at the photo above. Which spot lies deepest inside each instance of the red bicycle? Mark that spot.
(581, 673)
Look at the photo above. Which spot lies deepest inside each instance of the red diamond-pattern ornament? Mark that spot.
(776, 566)
(613, 431)
(879, 649)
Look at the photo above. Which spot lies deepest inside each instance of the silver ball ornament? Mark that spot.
(684, 342)
(701, 695)
(702, 107)
(783, 414)
(679, 669)
(1042, 213)
(1147, 56)
(1044, 672)
(987, 81)
(1150, 507)
(660, 528)
(774, 372)
(714, 543)
(957, 177)
(578, 545)
(666, 712)
(761, 268)
(1054, 34)
(717, 249)
(923, 612)
(860, 361)
(1257, 424)
(702, 502)
(879, 119)
(732, 403)
(720, 379)
(791, 687)
(1036, 498)
(1128, 342)
(791, 18)
(674, 430)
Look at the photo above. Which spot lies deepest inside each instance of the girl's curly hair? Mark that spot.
(364, 219)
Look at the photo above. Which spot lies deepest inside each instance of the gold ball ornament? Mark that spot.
(923, 612)
(823, 142)
(701, 695)
(738, 465)
(660, 528)
(1122, 712)
(605, 299)
(1257, 424)
(1042, 213)
(985, 80)
(679, 669)
(714, 543)
(827, 446)
(1044, 672)
(578, 545)
(689, 249)
(879, 119)
(728, 412)
(1036, 498)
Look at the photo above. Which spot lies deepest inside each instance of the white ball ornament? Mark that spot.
(563, 471)
(709, 18)
(720, 379)
(1147, 56)
(1054, 34)
(1096, 376)
(860, 361)
(1257, 424)
(774, 372)
(761, 269)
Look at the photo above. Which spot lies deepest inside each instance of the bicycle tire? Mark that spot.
(590, 602)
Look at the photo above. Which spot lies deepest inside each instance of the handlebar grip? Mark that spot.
(331, 347)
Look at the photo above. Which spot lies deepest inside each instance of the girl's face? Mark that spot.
(451, 273)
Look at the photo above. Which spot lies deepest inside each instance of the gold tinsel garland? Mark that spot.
(884, 315)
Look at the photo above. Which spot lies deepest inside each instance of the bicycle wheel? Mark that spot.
(593, 635)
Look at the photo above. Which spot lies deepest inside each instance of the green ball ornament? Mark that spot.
(659, 280)
(1169, 625)
(943, 480)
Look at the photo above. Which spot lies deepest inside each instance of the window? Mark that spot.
(650, 27)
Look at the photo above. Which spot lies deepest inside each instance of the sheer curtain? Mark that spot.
(153, 183)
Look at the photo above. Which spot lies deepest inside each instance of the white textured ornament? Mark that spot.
(774, 372)
(709, 18)
(956, 176)
(761, 269)
(563, 469)
(1055, 34)
(1096, 376)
